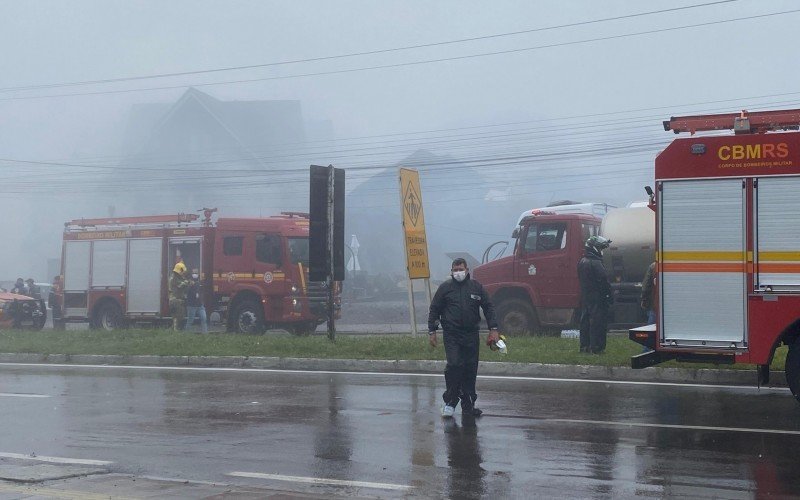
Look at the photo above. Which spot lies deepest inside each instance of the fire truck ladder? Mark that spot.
(123, 223)
(758, 122)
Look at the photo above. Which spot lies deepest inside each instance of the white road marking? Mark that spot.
(54, 460)
(182, 481)
(320, 480)
(22, 395)
(671, 426)
(392, 374)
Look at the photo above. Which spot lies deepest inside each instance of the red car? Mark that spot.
(20, 311)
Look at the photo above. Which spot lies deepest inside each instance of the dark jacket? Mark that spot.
(458, 305)
(595, 288)
(20, 288)
(194, 297)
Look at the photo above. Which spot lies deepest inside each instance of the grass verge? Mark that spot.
(548, 350)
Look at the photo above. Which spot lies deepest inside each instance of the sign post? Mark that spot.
(326, 234)
(414, 238)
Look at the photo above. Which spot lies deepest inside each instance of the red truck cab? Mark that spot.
(260, 274)
(537, 286)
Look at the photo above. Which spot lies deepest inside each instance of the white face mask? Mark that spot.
(459, 275)
(195, 276)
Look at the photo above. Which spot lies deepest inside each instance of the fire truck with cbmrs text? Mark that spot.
(728, 244)
(253, 271)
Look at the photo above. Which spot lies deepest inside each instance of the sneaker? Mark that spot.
(448, 411)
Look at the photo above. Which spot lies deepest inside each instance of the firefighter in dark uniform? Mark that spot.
(457, 304)
(595, 296)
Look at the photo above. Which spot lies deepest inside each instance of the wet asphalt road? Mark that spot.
(538, 438)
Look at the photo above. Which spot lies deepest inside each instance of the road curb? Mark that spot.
(615, 373)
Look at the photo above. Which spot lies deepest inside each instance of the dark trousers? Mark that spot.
(594, 327)
(461, 350)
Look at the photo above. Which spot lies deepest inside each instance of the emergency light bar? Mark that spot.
(758, 122)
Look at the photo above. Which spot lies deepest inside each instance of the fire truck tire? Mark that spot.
(793, 369)
(107, 316)
(516, 317)
(249, 318)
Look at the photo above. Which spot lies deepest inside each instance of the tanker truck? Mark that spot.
(632, 234)
(536, 289)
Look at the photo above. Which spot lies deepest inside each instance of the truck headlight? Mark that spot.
(296, 305)
(294, 289)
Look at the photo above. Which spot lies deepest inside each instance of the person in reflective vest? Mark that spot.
(177, 295)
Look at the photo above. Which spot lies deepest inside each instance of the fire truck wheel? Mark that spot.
(793, 369)
(249, 318)
(516, 317)
(107, 316)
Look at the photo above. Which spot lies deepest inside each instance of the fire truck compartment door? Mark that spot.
(778, 238)
(76, 265)
(144, 275)
(702, 279)
(108, 263)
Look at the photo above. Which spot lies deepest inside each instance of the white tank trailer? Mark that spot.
(632, 234)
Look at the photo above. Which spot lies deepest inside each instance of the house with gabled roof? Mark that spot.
(202, 151)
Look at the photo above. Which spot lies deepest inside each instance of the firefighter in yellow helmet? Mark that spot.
(177, 295)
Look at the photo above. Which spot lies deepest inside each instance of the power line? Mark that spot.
(638, 119)
(413, 63)
(362, 53)
(490, 138)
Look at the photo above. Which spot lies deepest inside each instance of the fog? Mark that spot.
(566, 103)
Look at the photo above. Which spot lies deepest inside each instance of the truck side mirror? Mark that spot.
(515, 233)
(651, 202)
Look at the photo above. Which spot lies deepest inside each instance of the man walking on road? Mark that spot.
(457, 304)
(595, 296)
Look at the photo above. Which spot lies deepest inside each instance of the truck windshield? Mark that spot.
(298, 250)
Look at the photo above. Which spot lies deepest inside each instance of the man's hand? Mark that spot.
(493, 337)
(432, 339)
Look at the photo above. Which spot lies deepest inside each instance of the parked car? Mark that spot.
(19, 311)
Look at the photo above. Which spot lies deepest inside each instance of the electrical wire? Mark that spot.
(414, 63)
(362, 53)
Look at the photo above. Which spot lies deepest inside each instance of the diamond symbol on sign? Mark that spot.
(412, 204)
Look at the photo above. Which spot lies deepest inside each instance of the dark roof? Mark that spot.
(255, 125)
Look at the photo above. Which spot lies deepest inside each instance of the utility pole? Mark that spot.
(331, 260)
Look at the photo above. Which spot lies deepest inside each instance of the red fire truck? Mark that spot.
(727, 213)
(254, 271)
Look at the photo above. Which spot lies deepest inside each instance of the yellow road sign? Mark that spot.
(416, 242)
